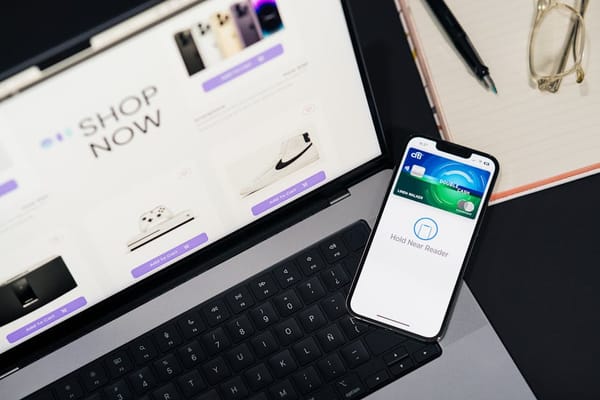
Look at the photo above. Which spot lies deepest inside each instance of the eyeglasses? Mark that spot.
(556, 43)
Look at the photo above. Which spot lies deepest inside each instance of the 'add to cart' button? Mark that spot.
(243, 68)
(8, 187)
(288, 193)
(170, 255)
(46, 320)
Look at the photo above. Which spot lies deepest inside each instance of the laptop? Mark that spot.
(183, 204)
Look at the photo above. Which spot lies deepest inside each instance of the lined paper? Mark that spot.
(540, 139)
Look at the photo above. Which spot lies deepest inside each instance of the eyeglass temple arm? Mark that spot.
(553, 84)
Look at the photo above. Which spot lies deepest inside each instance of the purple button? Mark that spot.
(170, 255)
(8, 187)
(46, 320)
(288, 193)
(242, 68)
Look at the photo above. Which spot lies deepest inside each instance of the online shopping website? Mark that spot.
(157, 147)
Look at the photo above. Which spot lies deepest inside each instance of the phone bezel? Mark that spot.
(456, 150)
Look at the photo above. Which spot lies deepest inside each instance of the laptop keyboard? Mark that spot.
(282, 334)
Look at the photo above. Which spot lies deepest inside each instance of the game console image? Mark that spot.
(38, 286)
(158, 222)
(294, 154)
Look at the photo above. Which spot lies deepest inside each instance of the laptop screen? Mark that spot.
(162, 144)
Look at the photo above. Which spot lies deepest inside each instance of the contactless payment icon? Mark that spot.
(425, 228)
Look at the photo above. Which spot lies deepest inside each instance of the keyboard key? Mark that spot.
(353, 327)
(380, 341)
(395, 355)
(240, 328)
(191, 354)
(287, 303)
(310, 262)
(377, 379)
(264, 344)
(216, 370)
(282, 364)
(311, 290)
(93, 376)
(167, 337)
(334, 249)
(334, 306)
(307, 380)
(264, 315)
(215, 341)
(332, 367)
(143, 350)
(283, 391)
(118, 391)
(142, 380)
(288, 331)
(327, 393)
(287, 274)
(263, 287)
(191, 324)
(402, 367)
(335, 278)
(355, 354)
(312, 318)
(95, 396)
(240, 357)
(118, 363)
(429, 352)
(331, 338)
(167, 392)
(215, 312)
(234, 389)
(68, 389)
(191, 383)
(240, 299)
(350, 387)
(167, 367)
(258, 377)
(307, 350)
(351, 263)
(210, 395)
(356, 238)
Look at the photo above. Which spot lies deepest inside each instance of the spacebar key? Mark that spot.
(381, 341)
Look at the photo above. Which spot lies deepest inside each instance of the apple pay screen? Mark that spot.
(422, 238)
(157, 147)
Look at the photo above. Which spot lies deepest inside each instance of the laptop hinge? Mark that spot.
(339, 196)
(9, 373)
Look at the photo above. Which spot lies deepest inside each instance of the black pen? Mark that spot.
(461, 42)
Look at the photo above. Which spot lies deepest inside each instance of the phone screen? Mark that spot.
(417, 250)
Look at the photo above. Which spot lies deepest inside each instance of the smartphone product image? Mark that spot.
(189, 52)
(226, 33)
(417, 252)
(268, 16)
(246, 22)
(206, 42)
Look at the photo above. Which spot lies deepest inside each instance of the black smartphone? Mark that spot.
(189, 52)
(417, 252)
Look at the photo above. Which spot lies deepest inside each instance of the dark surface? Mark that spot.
(535, 272)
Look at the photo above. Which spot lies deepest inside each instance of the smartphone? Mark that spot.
(417, 252)
(207, 43)
(268, 16)
(189, 52)
(226, 33)
(246, 22)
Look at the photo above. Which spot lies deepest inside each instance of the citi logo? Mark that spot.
(417, 154)
(56, 139)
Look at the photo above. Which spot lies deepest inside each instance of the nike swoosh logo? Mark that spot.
(282, 164)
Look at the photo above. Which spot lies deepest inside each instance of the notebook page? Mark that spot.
(540, 139)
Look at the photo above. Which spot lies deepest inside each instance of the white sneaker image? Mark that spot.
(295, 153)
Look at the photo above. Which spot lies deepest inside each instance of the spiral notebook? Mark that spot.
(540, 139)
